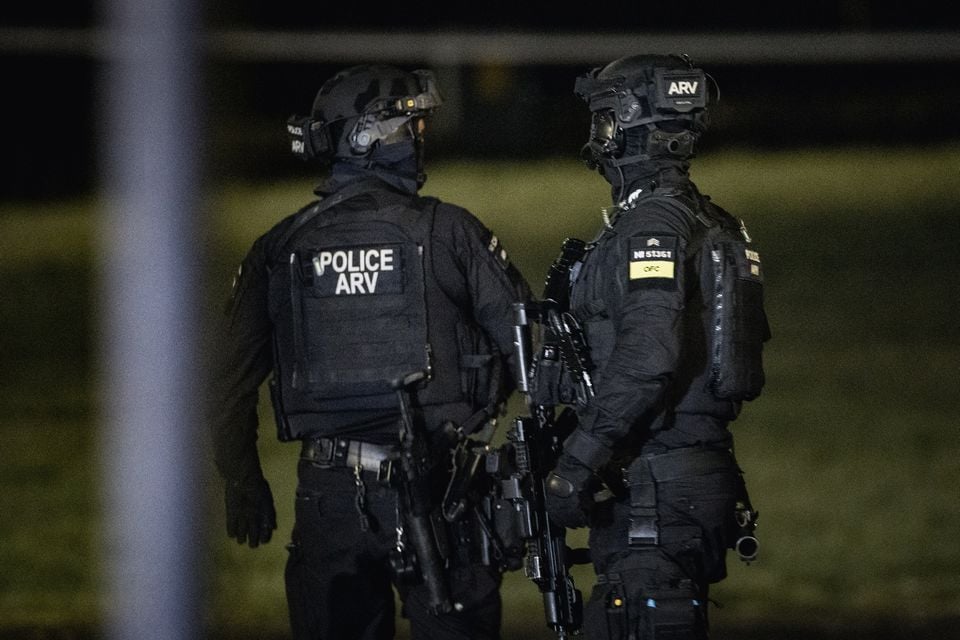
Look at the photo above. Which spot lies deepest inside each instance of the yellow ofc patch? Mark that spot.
(651, 269)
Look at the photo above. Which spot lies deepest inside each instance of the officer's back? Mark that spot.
(365, 285)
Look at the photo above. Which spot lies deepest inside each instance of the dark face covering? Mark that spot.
(396, 164)
(643, 174)
(401, 160)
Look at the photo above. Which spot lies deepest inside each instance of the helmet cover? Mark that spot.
(381, 98)
(641, 90)
(361, 106)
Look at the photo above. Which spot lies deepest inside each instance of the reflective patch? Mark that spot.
(752, 264)
(652, 260)
(651, 269)
(236, 279)
(498, 251)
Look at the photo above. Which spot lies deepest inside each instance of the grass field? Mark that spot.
(851, 455)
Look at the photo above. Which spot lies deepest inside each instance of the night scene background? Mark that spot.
(835, 137)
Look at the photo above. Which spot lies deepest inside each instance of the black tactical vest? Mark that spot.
(738, 323)
(730, 309)
(740, 326)
(349, 300)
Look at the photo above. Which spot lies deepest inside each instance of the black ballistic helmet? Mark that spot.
(664, 94)
(361, 106)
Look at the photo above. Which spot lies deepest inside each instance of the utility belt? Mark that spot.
(681, 463)
(643, 474)
(328, 453)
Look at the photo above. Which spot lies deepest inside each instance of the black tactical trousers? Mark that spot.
(658, 591)
(338, 577)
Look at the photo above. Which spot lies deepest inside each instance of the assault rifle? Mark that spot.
(509, 497)
(532, 447)
(562, 334)
(420, 521)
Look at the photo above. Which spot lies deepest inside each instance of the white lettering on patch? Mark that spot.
(640, 254)
(357, 270)
(683, 87)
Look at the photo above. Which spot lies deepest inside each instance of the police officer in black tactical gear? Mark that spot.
(670, 298)
(367, 297)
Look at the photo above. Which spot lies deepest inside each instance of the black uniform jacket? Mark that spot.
(469, 263)
(641, 294)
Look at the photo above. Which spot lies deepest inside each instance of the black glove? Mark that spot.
(251, 517)
(568, 495)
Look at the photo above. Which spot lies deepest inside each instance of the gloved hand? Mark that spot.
(251, 517)
(568, 494)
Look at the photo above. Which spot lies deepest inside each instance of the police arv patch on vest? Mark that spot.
(653, 261)
(351, 271)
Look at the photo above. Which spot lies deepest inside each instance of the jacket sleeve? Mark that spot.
(240, 358)
(646, 284)
(491, 281)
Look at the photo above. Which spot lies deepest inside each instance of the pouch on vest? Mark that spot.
(739, 322)
(551, 381)
(357, 315)
(546, 372)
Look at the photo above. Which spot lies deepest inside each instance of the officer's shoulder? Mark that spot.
(271, 239)
(449, 215)
(665, 213)
(444, 208)
(718, 211)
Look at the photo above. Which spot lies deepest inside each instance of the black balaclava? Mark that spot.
(646, 174)
(396, 164)
(647, 112)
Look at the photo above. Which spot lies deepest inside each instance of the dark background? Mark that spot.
(881, 266)
(51, 104)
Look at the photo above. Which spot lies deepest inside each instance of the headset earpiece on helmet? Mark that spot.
(370, 129)
(360, 107)
(606, 139)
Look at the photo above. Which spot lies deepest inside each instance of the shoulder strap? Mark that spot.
(680, 203)
(311, 212)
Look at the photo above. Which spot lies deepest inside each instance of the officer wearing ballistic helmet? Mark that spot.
(670, 297)
(385, 319)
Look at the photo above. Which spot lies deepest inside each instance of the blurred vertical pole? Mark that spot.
(149, 319)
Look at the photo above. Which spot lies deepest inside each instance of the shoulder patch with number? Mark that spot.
(652, 261)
